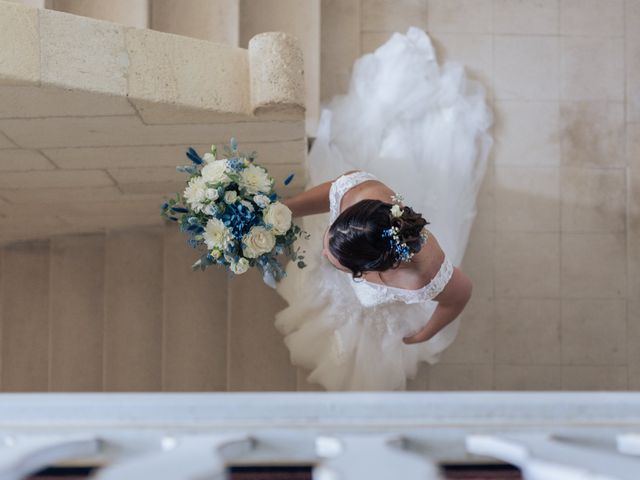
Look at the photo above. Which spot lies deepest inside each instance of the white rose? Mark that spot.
(396, 211)
(216, 234)
(261, 200)
(208, 158)
(194, 193)
(230, 196)
(248, 205)
(241, 266)
(211, 193)
(255, 179)
(278, 215)
(210, 209)
(215, 171)
(259, 240)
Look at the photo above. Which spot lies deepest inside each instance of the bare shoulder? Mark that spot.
(374, 189)
(458, 289)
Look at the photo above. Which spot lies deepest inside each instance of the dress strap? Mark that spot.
(342, 185)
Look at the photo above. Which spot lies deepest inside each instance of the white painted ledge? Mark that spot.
(547, 434)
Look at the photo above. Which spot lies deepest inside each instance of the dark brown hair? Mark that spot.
(356, 235)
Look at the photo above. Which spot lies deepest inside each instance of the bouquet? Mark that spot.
(230, 206)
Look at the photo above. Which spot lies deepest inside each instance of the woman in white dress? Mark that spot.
(368, 308)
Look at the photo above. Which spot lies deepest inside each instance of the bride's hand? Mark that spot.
(417, 337)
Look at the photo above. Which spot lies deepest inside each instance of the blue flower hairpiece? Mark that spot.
(401, 249)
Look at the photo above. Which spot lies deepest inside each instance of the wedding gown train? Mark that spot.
(422, 129)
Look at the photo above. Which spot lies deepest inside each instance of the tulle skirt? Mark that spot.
(422, 129)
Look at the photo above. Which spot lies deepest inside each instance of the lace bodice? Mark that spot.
(369, 293)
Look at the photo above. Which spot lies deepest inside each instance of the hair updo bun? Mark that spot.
(356, 235)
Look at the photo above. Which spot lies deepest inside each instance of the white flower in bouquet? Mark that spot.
(216, 234)
(261, 200)
(259, 240)
(241, 266)
(194, 193)
(215, 171)
(211, 193)
(255, 179)
(208, 158)
(248, 205)
(230, 196)
(210, 209)
(278, 215)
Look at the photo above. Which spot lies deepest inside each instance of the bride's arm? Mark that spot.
(312, 201)
(451, 301)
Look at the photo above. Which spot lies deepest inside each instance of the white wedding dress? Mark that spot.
(422, 129)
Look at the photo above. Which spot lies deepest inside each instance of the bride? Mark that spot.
(381, 292)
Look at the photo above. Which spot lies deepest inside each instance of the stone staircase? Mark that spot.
(96, 290)
(123, 311)
(94, 116)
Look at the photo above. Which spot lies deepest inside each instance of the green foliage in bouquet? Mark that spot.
(230, 205)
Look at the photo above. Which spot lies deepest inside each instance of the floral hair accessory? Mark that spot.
(401, 249)
(396, 210)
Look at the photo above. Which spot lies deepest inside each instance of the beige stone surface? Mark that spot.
(592, 17)
(526, 17)
(25, 317)
(475, 341)
(633, 343)
(195, 319)
(20, 159)
(526, 67)
(133, 13)
(133, 311)
(26, 101)
(527, 199)
(593, 265)
(258, 358)
(632, 60)
(478, 262)
(268, 153)
(5, 142)
(393, 15)
(370, 41)
(49, 196)
(527, 264)
(77, 312)
(528, 377)
(592, 133)
(593, 199)
(592, 68)
(20, 54)
(527, 331)
(276, 71)
(460, 377)
(107, 131)
(526, 133)
(300, 20)
(54, 179)
(82, 53)
(473, 51)
(212, 20)
(339, 45)
(469, 16)
(594, 377)
(185, 73)
(594, 331)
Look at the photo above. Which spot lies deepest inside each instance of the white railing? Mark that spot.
(347, 435)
